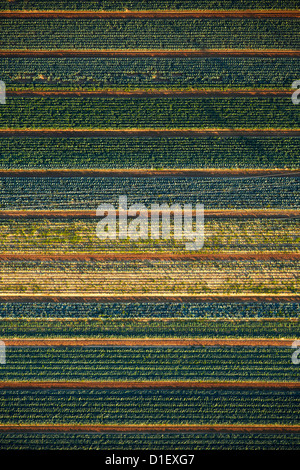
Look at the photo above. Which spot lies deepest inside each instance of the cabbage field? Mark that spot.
(141, 344)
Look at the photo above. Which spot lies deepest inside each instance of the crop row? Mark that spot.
(130, 152)
(138, 364)
(63, 236)
(149, 407)
(156, 113)
(111, 5)
(148, 441)
(148, 72)
(217, 310)
(88, 193)
(143, 277)
(147, 328)
(212, 33)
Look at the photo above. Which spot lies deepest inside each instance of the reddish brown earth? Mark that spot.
(150, 93)
(91, 214)
(106, 298)
(150, 53)
(154, 133)
(186, 256)
(152, 428)
(251, 13)
(149, 385)
(265, 342)
(146, 173)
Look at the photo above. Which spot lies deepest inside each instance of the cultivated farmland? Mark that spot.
(141, 344)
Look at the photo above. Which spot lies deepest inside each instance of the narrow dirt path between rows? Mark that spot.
(48, 385)
(152, 428)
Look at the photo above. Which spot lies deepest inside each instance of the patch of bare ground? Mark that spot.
(167, 256)
(149, 133)
(127, 298)
(91, 214)
(249, 13)
(229, 385)
(149, 53)
(152, 428)
(142, 342)
(148, 172)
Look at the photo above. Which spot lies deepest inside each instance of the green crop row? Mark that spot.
(143, 364)
(73, 73)
(152, 310)
(167, 34)
(149, 407)
(156, 113)
(148, 441)
(177, 152)
(148, 328)
(66, 193)
(78, 235)
(147, 5)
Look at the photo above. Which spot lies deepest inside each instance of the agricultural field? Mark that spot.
(147, 441)
(54, 236)
(151, 310)
(111, 5)
(160, 278)
(157, 328)
(157, 153)
(156, 113)
(149, 407)
(87, 193)
(142, 344)
(148, 73)
(159, 34)
(63, 364)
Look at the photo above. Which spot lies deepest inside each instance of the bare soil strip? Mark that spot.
(168, 256)
(37, 385)
(126, 298)
(152, 428)
(146, 173)
(152, 14)
(142, 342)
(149, 53)
(150, 93)
(154, 133)
(91, 214)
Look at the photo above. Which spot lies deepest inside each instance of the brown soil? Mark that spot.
(150, 385)
(152, 428)
(146, 173)
(153, 133)
(126, 298)
(91, 214)
(150, 93)
(153, 14)
(265, 342)
(186, 256)
(150, 53)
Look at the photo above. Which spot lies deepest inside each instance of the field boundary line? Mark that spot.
(150, 53)
(205, 385)
(154, 133)
(210, 213)
(150, 93)
(169, 256)
(127, 298)
(148, 172)
(138, 342)
(152, 428)
(246, 13)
